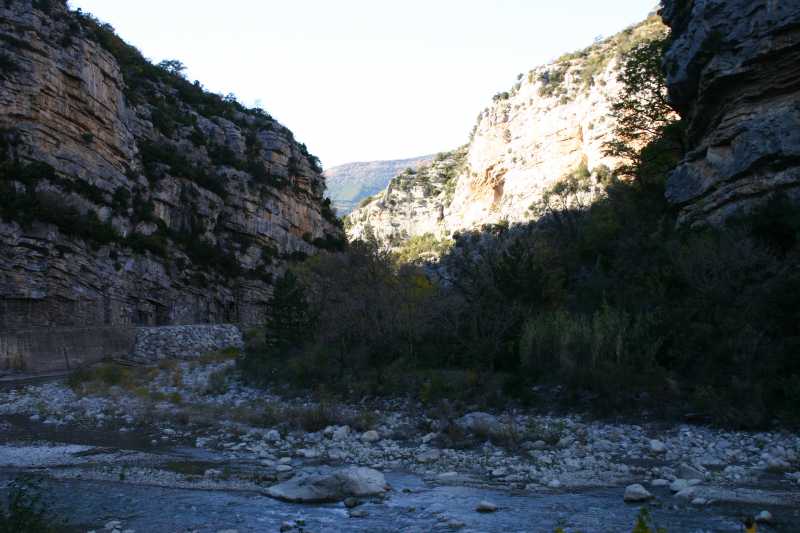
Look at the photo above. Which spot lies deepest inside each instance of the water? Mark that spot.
(413, 505)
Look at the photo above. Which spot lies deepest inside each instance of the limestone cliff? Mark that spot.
(554, 120)
(733, 70)
(129, 195)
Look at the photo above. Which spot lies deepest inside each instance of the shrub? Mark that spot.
(25, 512)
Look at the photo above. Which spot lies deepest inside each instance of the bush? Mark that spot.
(24, 511)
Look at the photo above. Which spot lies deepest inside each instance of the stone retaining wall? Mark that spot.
(51, 350)
(183, 342)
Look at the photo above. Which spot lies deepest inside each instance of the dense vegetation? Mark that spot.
(603, 301)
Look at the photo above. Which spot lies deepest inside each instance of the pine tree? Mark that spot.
(288, 321)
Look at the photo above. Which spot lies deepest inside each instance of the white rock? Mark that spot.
(332, 486)
(659, 483)
(370, 436)
(554, 484)
(636, 493)
(656, 446)
(486, 507)
(765, 517)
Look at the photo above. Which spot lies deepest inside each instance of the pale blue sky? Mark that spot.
(360, 80)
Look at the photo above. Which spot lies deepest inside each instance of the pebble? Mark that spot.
(764, 517)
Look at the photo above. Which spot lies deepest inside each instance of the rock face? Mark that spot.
(734, 74)
(129, 195)
(350, 184)
(554, 121)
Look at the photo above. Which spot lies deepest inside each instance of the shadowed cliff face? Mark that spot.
(130, 195)
(733, 72)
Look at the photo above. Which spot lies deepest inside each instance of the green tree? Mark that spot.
(647, 132)
(173, 66)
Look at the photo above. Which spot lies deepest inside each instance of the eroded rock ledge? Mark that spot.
(734, 74)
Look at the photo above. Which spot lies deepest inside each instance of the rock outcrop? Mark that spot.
(351, 183)
(733, 71)
(129, 195)
(554, 120)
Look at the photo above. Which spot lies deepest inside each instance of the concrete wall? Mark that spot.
(45, 350)
(50, 350)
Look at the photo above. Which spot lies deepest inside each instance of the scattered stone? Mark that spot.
(486, 507)
(636, 493)
(341, 433)
(687, 471)
(429, 456)
(678, 485)
(656, 446)
(764, 517)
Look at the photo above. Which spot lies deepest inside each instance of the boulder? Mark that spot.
(636, 493)
(332, 486)
(486, 507)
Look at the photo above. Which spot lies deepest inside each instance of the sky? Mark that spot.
(363, 80)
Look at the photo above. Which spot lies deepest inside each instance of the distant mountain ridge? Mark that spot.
(351, 183)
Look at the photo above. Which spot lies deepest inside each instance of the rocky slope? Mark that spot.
(129, 194)
(734, 74)
(350, 184)
(553, 121)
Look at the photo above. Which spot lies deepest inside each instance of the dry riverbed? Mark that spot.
(192, 426)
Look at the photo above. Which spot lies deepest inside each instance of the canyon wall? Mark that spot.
(555, 120)
(130, 195)
(733, 72)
